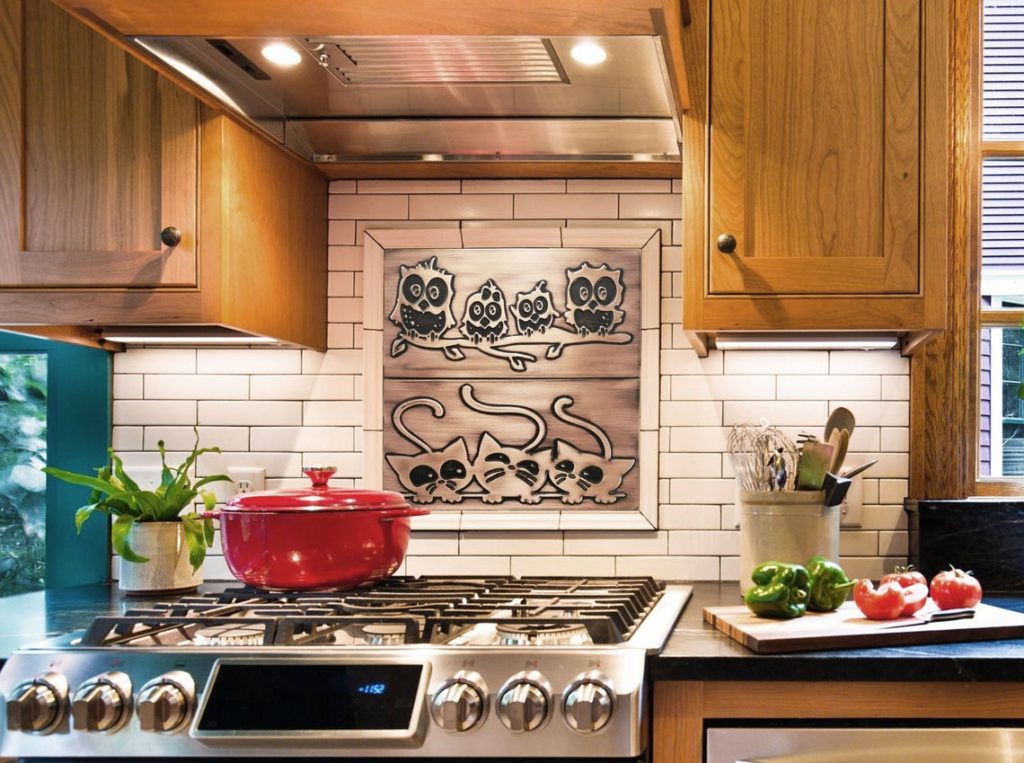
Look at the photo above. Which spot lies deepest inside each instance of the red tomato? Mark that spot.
(915, 596)
(884, 604)
(955, 589)
(906, 577)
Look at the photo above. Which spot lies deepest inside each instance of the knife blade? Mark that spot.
(939, 616)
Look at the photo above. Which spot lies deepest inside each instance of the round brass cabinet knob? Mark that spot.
(170, 236)
(726, 243)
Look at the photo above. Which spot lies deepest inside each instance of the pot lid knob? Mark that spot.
(320, 474)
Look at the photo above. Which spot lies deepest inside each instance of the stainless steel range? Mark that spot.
(410, 667)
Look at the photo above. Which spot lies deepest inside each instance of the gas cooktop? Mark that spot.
(418, 667)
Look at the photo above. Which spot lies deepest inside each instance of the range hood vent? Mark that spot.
(438, 60)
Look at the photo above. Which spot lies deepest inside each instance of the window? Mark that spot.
(54, 406)
(1001, 411)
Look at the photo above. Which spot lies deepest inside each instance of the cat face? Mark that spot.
(423, 304)
(436, 474)
(505, 471)
(533, 310)
(582, 475)
(593, 297)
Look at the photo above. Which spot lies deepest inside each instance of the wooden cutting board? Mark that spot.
(847, 628)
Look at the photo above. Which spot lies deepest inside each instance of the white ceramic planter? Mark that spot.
(168, 568)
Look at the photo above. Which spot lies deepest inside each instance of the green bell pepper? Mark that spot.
(781, 590)
(829, 585)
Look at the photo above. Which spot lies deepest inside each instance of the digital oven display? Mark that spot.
(267, 698)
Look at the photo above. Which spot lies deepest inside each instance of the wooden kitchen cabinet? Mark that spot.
(682, 710)
(103, 160)
(814, 165)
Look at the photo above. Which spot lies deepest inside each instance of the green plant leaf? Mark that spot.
(103, 486)
(119, 539)
(84, 512)
(209, 499)
(127, 481)
(195, 539)
(166, 477)
(212, 478)
(208, 531)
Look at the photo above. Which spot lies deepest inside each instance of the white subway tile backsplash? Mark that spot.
(548, 206)
(282, 409)
(144, 360)
(154, 412)
(248, 362)
(776, 362)
(868, 362)
(127, 386)
(830, 387)
(245, 412)
(461, 207)
(198, 387)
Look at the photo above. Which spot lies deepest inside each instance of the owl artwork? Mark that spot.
(533, 311)
(484, 319)
(593, 297)
(423, 305)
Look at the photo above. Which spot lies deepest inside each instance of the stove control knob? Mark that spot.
(523, 702)
(587, 702)
(460, 703)
(102, 703)
(165, 703)
(37, 706)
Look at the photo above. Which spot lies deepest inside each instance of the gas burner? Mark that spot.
(542, 634)
(242, 634)
(384, 634)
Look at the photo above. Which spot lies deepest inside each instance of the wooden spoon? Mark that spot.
(841, 438)
(841, 418)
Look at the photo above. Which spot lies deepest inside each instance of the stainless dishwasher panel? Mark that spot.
(860, 744)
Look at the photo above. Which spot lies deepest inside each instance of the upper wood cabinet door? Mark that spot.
(99, 155)
(814, 165)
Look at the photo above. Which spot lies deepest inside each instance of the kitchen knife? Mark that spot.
(939, 616)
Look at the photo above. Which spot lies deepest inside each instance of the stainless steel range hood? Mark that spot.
(442, 98)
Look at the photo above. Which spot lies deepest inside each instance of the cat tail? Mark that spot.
(466, 391)
(396, 418)
(560, 407)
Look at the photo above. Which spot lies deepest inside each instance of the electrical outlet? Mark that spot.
(247, 479)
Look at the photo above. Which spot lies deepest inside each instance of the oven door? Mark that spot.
(862, 744)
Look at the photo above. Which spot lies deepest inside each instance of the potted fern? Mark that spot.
(159, 547)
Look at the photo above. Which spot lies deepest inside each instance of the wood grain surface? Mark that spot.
(847, 628)
(10, 137)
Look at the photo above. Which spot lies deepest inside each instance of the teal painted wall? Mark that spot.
(78, 435)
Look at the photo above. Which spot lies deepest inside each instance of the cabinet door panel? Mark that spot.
(109, 159)
(814, 110)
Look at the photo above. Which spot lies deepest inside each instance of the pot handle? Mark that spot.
(215, 514)
(390, 515)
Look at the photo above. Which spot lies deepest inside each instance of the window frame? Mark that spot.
(78, 431)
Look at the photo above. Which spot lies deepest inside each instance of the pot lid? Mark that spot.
(319, 497)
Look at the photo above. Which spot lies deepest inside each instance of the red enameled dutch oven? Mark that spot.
(315, 538)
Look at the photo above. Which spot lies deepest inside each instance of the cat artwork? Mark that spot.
(533, 311)
(423, 304)
(508, 471)
(430, 474)
(580, 474)
(593, 297)
(484, 319)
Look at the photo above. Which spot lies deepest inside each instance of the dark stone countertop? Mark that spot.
(698, 652)
(695, 651)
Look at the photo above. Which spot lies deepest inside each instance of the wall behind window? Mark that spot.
(281, 408)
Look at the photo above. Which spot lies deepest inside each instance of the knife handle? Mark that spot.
(950, 614)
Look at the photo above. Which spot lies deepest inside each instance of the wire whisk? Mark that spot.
(762, 456)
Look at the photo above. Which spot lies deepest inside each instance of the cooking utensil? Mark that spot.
(315, 538)
(854, 471)
(840, 418)
(835, 489)
(815, 459)
(841, 441)
(759, 455)
(938, 616)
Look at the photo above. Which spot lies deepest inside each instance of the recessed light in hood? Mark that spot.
(469, 98)
(589, 53)
(281, 54)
